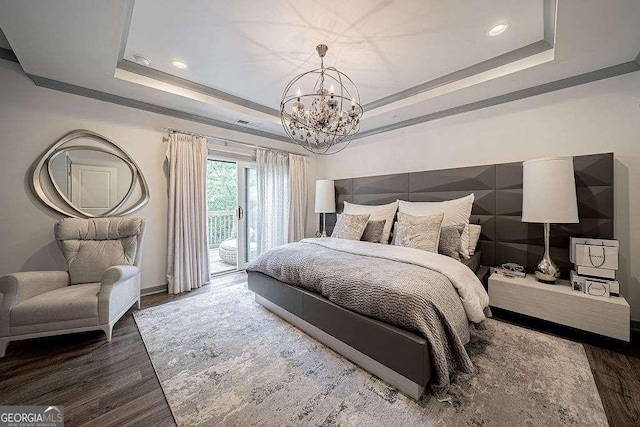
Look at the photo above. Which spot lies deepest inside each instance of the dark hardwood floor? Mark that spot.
(109, 384)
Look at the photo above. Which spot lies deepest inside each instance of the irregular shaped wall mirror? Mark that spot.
(85, 175)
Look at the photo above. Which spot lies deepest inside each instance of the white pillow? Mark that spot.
(456, 211)
(376, 212)
(474, 236)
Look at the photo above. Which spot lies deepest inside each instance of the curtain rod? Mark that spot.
(228, 141)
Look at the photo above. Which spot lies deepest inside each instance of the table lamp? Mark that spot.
(325, 201)
(549, 196)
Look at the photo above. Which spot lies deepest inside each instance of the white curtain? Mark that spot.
(273, 199)
(298, 197)
(188, 252)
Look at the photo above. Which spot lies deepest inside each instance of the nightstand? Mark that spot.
(560, 304)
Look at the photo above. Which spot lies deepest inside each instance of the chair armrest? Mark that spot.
(18, 287)
(120, 284)
(116, 274)
(28, 284)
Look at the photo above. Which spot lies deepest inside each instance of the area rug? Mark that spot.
(222, 359)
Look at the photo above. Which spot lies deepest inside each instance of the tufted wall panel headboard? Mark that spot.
(498, 205)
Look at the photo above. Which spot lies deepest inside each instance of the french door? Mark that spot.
(246, 213)
(231, 214)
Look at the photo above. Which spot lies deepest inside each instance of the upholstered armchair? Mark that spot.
(101, 284)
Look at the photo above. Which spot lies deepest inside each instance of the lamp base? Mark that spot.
(547, 271)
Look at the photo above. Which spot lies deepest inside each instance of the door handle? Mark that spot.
(240, 212)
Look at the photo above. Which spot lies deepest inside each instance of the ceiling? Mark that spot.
(385, 46)
(410, 59)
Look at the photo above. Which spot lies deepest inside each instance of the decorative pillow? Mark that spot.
(350, 227)
(377, 212)
(419, 232)
(474, 236)
(373, 231)
(457, 211)
(449, 244)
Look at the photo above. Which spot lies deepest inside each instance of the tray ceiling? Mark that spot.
(384, 46)
(411, 59)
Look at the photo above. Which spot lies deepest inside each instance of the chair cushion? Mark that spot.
(89, 259)
(68, 303)
(90, 246)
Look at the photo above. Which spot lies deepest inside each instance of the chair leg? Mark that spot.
(139, 305)
(4, 343)
(108, 331)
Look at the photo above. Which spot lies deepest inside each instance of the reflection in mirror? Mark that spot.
(93, 181)
(85, 175)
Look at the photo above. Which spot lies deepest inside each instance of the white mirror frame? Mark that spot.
(112, 148)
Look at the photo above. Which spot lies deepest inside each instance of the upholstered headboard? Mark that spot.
(498, 205)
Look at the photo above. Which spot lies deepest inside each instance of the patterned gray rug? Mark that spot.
(222, 359)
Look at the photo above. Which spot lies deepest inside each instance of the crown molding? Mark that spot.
(170, 79)
(603, 73)
(141, 105)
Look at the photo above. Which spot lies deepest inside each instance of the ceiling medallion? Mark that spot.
(324, 120)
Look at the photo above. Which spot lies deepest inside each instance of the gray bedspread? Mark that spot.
(403, 294)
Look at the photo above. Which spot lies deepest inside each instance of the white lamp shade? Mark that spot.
(325, 196)
(549, 191)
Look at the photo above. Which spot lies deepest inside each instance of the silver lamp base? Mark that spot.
(546, 270)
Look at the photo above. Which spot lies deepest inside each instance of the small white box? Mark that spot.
(586, 241)
(605, 257)
(596, 272)
(597, 288)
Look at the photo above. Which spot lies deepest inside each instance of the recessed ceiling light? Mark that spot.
(142, 60)
(179, 64)
(497, 30)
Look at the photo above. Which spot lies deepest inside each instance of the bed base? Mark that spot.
(403, 384)
(381, 349)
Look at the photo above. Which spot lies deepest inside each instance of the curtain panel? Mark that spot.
(298, 197)
(188, 252)
(273, 199)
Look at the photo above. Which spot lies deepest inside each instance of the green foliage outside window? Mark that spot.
(221, 186)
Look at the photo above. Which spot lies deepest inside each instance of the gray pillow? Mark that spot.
(450, 240)
(350, 227)
(418, 232)
(373, 231)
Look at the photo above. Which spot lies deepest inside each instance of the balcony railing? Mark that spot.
(220, 226)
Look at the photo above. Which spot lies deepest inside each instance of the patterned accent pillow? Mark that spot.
(474, 236)
(350, 227)
(450, 240)
(373, 231)
(377, 212)
(456, 211)
(419, 232)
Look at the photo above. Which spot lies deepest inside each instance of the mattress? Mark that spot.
(473, 263)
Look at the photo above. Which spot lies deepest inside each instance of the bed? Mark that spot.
(401, 356)
(381, 306)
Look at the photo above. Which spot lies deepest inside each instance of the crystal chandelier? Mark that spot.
(324, 120)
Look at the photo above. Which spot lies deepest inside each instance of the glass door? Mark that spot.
(232, 198)
(222, 202)
(246, 213)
